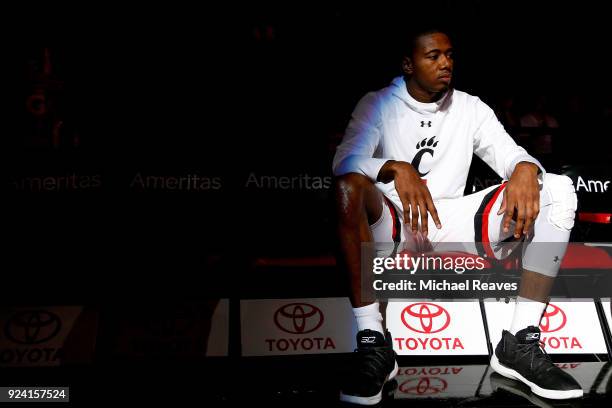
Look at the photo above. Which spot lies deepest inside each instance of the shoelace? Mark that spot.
(536, 351)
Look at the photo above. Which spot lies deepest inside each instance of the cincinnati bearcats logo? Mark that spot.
(554, 319)
(425, 318)
(298, 318)
(423, 386)
(424, 146)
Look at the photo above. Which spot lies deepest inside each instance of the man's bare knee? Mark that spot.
(352, 182)
(355, 192)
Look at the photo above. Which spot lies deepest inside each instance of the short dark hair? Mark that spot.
(412, 36)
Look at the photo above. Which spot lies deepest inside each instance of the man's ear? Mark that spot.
(407, 66)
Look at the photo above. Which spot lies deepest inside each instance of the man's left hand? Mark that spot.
(521, 198)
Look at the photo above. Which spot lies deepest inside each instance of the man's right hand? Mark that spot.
(413, 194)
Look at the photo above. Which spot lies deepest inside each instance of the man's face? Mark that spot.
(431, 65)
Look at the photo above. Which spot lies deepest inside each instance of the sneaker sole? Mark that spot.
(511, 387)
(542, 392)
(374, 399)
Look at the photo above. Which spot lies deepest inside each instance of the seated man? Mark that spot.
(402, 166)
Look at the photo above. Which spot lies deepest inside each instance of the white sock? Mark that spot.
(527, 312)
(369, 317)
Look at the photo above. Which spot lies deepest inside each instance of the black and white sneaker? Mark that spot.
(521, 358)
(374, 366)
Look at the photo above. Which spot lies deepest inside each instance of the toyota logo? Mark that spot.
(298, 318)
(554, 319)
(32, 327)
(425, 317)
(423, 386)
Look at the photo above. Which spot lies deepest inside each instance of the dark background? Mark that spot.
(171, 91)
(225, 94)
